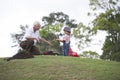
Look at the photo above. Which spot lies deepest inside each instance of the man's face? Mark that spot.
(36, 27)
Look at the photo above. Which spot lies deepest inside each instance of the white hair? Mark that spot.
(36, 23)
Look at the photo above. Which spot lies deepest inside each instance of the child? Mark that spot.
(66, 41)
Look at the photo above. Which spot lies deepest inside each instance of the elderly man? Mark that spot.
(31, 38)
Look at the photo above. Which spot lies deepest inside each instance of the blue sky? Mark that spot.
(16, 12)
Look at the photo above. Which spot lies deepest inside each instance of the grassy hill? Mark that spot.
(59, 68)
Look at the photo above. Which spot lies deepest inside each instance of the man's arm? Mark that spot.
(31, 38)
(42, 39)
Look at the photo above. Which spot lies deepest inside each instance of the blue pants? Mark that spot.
(66, 48)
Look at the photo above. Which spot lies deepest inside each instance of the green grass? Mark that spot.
(59, 68)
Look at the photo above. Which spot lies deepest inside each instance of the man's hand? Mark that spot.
(49, 43)
(42, 39)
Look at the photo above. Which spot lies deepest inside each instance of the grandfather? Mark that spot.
(31, 38)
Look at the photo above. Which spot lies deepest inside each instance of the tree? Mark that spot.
(109, 21)
(55, 21)
(17, 37)
(49, 34)
(82, 34)
(90, 54)
(58, 17)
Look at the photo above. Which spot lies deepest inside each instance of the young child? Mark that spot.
(66, 41)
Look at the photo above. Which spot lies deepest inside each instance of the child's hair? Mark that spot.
(67, 29)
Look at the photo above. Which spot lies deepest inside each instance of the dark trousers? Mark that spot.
(28, 45)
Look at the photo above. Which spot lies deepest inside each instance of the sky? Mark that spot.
(14, 13)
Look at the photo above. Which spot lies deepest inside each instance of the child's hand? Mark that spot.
(60, 40)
